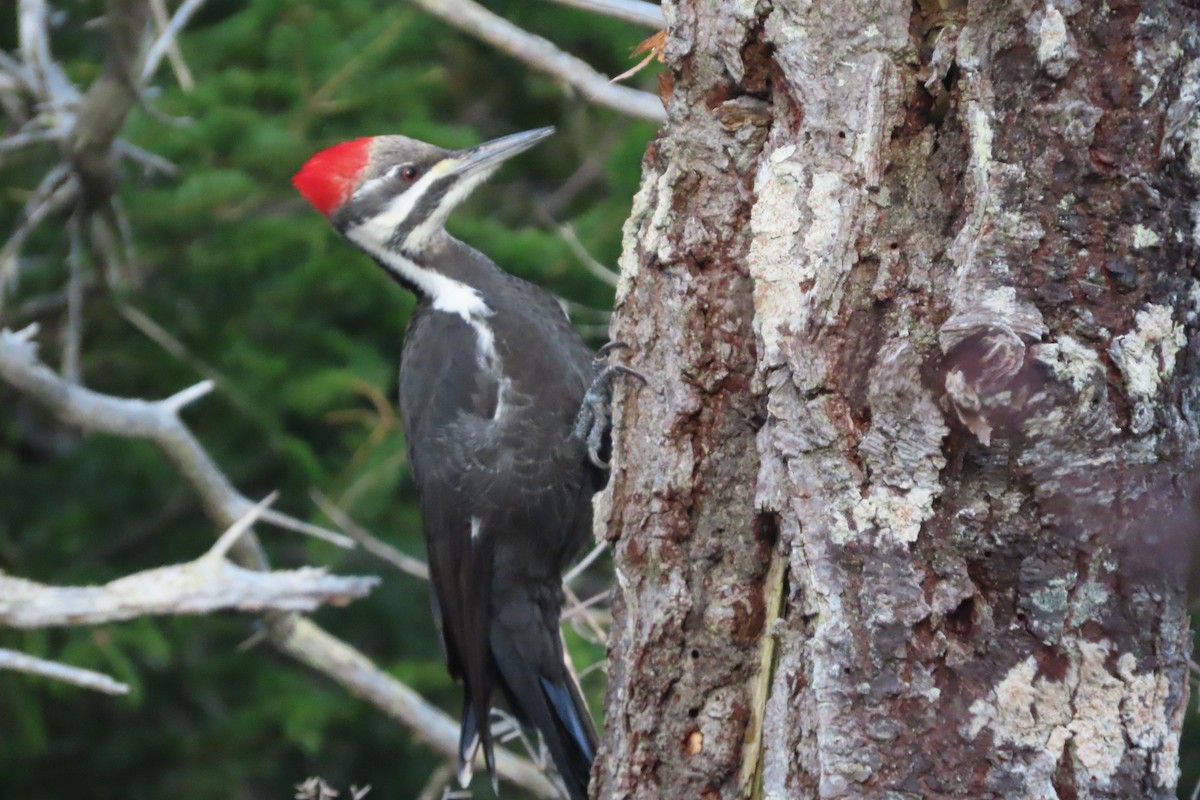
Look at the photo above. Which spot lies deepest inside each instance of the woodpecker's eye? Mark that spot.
(408, 172)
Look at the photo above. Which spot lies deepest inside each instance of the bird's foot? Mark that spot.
(595, 412)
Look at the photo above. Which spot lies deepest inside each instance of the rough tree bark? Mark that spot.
(903, 510)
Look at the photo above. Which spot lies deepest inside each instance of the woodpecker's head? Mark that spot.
(392, 193)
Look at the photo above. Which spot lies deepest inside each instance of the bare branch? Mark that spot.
(208, 584)
(372, 544)
(19, 141)
(138, 419)
(635, 11)
(290, 633)
(182, 74)
(578, 610)
(580, 312)
(72, 328)
(541, 54)
(585, 562)
(108, 102)
(185, 397)
(18, 79)
(56, 190)
(42, 304)
(288, 523)
(21, 662)
(239, 528)
(157, 50)
(34, 40)
(151, 162)
(593, 266)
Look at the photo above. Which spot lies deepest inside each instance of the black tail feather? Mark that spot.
(471, 736)
(571, 715)
(554, 707)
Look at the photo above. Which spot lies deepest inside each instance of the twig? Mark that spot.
(541, 54)
(72, 329)
(19, 141)
(437, 783)
(22, 662)
(321, 99)
(34, 41)
(43, 304)
(576, 608)
(373, 545)
(158, 8)
(172, 345)
(239, 528)
(155, 54)
(634, 11)
(18, 77)
(289, 523)
(609, 276)
(585, 562)
(585, 606)
(579, 312)
(151, 162)
(55, 191)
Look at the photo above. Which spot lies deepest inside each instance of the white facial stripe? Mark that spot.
(418, 236)
(476, 528)
(381, 227)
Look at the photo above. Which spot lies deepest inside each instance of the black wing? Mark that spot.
(505, 499)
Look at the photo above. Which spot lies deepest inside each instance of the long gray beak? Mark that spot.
(490, 155)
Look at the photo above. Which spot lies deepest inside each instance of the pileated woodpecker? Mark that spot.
(498, 395)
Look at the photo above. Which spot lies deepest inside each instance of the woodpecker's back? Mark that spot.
(491, 380)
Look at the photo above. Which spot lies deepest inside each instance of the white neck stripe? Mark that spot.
(446, 294)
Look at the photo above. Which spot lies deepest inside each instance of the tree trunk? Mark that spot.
(901, 511)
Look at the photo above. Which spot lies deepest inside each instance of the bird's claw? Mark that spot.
(595, 412)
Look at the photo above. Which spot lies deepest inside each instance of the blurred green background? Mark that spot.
(304, 335)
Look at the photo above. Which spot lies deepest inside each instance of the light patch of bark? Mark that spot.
(1147, 726)
(1146, 355)
(1075, 717)
(1072, 362)
(1052, 42)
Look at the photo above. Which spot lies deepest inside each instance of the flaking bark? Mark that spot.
(903, 512)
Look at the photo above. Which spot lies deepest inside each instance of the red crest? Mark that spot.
(327, 179)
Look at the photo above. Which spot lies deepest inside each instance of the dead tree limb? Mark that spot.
(635, 11)
(542, 55)
(291, 633)
(209, 583)
(85, 678)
